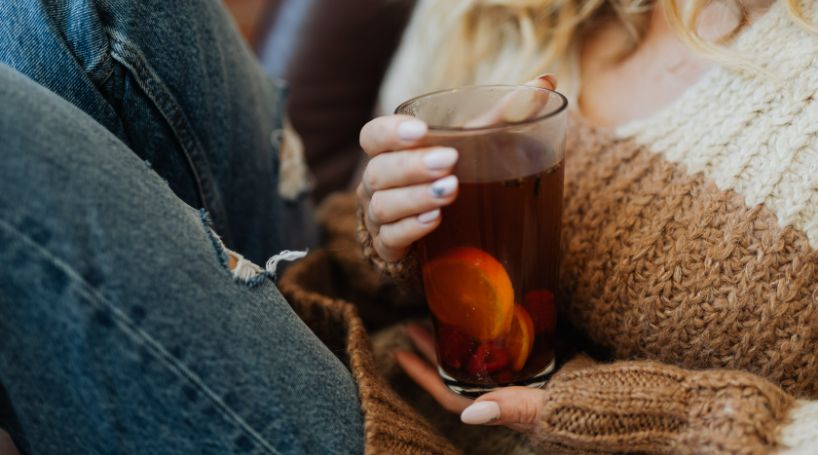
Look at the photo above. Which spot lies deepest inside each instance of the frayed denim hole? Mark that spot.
(221, 251)
(259, 279)
(257, 275)
(252, 275)
(246, 272)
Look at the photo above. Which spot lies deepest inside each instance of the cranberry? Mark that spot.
(453, 346)
(488, 358)
(505, 377)
(540, 305)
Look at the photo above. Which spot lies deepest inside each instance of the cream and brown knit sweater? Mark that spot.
(691, 255)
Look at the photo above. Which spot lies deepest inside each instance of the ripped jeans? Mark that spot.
(121, 328)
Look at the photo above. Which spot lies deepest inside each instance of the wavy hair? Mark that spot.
(460, 42)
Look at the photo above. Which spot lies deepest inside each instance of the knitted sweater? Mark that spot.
(691, 241)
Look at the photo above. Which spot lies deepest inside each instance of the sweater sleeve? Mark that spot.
(405, 271)
(638, 406)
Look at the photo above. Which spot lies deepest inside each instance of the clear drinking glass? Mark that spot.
(490, 270)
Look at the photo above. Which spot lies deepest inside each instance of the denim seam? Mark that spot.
(139, 336)
(100, 72)
(151, 84)
(109, 70)
(217, 243)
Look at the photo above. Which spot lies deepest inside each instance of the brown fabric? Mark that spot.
(656, 408)
(390, 425)
(377, 299)
(662, 265)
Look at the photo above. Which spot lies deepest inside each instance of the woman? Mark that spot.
(691, 214)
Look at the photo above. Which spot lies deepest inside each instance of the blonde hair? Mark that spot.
(461, 42)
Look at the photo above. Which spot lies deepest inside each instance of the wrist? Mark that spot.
(404, 269)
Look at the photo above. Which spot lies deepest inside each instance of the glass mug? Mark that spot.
(490, 270)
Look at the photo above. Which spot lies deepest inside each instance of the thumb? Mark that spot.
(545, 80)
(517, 105)
(514, 407)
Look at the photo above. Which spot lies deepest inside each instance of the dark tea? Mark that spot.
(490, 271)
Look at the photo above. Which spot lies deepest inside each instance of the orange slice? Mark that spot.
(469, 289)
(520, 339)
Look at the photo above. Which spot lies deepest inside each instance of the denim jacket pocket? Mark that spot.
(163, 99)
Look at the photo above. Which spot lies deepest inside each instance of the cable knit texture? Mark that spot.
(755, 136)
(690, 254)
(656, 408)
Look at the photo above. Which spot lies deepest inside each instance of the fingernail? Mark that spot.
(428, 217)
(480, 413)
(444, 186)
(549, 79)
(411, 130)
(440, 158)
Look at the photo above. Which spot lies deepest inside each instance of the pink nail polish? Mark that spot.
(429, 217)
(412, 130)
(481, 413)
(444, 187)
(440, 158)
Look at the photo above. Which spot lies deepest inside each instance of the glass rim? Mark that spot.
(462, 129)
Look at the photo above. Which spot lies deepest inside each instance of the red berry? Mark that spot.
(540, 305)
(453, 346)
(488, 358)
(505, 377)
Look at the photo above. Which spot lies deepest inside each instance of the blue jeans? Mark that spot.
(175, 83)
(121, 329)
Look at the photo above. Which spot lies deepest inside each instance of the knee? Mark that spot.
(48, 142)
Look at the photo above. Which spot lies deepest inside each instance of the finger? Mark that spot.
(394, 204)
(394, 239)
(428, 379)
(546, 80)
(423, 340)
(363, 194)
(515, 407)
(518, 105)
(364, 197)
(409, 167)
(526, 105)
(391, 132)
